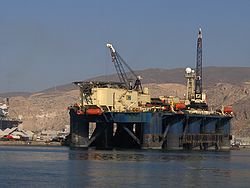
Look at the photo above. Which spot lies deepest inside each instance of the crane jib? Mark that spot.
(121, 66)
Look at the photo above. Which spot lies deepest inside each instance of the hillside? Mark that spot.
(225, 86)
(41, 111)
(211, 76)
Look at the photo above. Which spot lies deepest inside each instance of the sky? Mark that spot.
(46, 43)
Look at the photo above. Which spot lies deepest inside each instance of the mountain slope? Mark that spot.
(211, 76)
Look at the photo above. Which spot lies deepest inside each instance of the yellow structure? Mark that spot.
(112, 96)
(118, 99)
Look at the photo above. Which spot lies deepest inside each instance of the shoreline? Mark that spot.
(44, 143)
(29, 143)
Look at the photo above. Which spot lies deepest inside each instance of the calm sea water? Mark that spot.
(62, 167)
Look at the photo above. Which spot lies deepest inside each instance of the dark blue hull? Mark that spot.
(145, 130)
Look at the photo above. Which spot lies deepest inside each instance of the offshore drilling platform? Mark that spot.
(123, 114)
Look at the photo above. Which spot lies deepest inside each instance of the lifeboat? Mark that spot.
(94, 111)
(180, 106)
(228, 109)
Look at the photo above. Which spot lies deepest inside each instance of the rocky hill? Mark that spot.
(211, 76)
(225, 86)
(43, 111)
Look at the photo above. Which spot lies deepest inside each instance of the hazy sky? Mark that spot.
(44, 43)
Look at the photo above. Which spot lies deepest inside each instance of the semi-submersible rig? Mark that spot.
(123, 115)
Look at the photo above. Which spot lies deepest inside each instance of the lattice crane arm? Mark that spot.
(117, 60)
(119, 64)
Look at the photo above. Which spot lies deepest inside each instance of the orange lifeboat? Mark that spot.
(180, 106)
(228, 109)
(94, 111)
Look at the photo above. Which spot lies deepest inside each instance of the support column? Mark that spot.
(152, 135)
(79, 130)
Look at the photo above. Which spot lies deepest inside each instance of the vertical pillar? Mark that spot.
(153, 131)
(223, 128)
(176, 125)
(79, 130)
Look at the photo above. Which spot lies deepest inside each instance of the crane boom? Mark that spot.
(198, 80)
(119, 64)
(116, 59)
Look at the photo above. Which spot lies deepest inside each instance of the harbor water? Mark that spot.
(27, 166)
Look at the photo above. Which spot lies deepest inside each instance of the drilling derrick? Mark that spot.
(198, 80)
(195, 94)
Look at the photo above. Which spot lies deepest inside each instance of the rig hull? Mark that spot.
(150, 130)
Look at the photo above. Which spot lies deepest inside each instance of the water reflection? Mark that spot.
(154, 168)
(157, 168)
(61, 167)
(138, 155)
